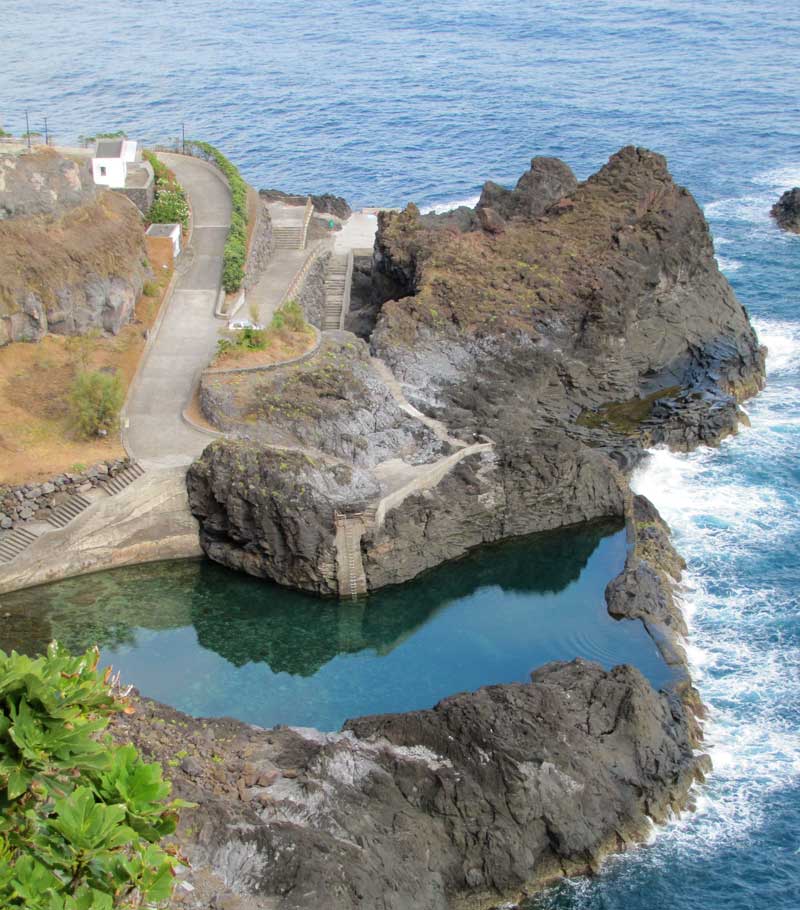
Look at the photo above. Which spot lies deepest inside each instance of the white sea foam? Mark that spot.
(728, 507)
(728, 265)
(441, 207)
(782, 339)
(754, 208)
(784, 177)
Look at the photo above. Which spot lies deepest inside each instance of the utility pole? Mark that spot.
(183, 138)
(28, 130)
(46, 139)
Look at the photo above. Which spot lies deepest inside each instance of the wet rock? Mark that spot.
(786, 211)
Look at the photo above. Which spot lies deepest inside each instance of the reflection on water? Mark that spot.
(209, 641)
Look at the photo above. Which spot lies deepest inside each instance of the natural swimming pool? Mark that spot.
(212, 642)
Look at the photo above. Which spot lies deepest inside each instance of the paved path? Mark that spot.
(157, 436)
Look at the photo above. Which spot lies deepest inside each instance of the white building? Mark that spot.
(110, 162)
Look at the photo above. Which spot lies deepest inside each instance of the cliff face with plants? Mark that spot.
(72, 258)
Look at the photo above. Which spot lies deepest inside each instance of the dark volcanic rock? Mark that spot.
(786, 210)
(481, 798)
(326, 203)
(547, 181)
(270, 512)
(573, 339)
(533, 485)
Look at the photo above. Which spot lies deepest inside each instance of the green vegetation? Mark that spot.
(80, 817)
(288, 319)
(170, 205)
(235, 254)
(625, 417)
(96, 399)
(150, 289)
(289, 316)
(86, 141)
(161, 172)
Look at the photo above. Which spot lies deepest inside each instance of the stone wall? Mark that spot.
(312, 295)
(141, 196)
(35, 501)
(261, 247)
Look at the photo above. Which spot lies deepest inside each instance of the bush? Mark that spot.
(96, 400)
(160, 171)
(150, 289)
(169, 207)
(80, 818)
(235, 254)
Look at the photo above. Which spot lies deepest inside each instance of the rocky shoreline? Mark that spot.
(513, 364)
(488, 796)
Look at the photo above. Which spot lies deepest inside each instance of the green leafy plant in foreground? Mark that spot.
(80, 818)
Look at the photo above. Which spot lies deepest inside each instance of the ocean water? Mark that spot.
(387, 102)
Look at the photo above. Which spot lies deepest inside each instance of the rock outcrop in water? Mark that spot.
(487, 795)
(528, 359)
(786, 211)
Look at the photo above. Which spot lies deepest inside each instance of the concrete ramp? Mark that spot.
(147, 521)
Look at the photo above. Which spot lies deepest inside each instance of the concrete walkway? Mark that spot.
(187, 336)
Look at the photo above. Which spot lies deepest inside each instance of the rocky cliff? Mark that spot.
(580, 325)
(71, 258)
(539, 343)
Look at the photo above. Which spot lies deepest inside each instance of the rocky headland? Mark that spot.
(72, 257)
(518, 365)
(513, 363)
(786, 211)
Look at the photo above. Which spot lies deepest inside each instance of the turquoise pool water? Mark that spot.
(212, 642)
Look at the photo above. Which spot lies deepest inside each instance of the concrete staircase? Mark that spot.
(13, 543)
(335, 290)
(289, 237)
(118, 483)
(63, 515)
(349, 566)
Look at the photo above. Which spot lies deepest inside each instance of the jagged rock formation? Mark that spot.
(325, 203)
(482, 798)
(786, 211)
(591, 326)
(71, 259)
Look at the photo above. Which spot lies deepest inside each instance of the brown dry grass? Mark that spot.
(37, 439)
(43, 255)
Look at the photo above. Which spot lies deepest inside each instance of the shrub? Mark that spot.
(293, 316)
(169, 207)
(160, 170)
(150, 289)
(80, 818)
(96, 400)
(235, 253)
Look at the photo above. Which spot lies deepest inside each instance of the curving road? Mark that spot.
(187, 336)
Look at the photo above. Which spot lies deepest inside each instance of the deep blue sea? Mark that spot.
(389, 102)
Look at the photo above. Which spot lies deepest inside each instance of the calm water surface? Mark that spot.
(213, 642)
(386, 102)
